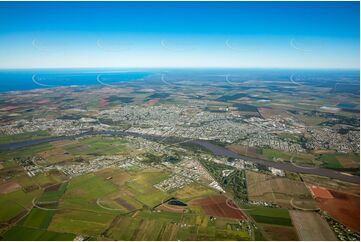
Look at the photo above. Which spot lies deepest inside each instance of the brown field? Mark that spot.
(311, 226)
(279, 233)
(217, 206)
(343, 207)
(278, 190)
(52, 188)
(332, 184)
(151, 102)
(9, 187)
(243, 150)
(171, 208)
(56, 154)
(103, 102)
(320, 192)
(274, 112)
(324, 152)
(124, 204)
(347, 162)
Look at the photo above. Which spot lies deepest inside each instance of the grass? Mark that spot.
(279, 216)
(97, 146)
(23, 136)
(44, 179)
(142, 187)
(9, 164)
(193, 191)
(271, 154)
(53, 195)
(148, 225)
(23, 233)
(15, 203)
(83, 191)
(330, 161)
(81, 222)
(37, 218)
(24, 152)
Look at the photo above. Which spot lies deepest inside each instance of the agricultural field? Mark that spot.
(311, 226)
(18, 203)
(23, 136)
(25, 233)
(266, 215)
(331, 184)
(160, 225)
(121, 204)
(278, 190)
(272, 223)
(24, 152)
(218, 206)
(97, 145)
(342, 206)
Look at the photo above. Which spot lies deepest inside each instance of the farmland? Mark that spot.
(96, 146)
(218, 206)
(311, 226)
(341, 206)
(278, 216)
(24, 233)
(192, 225)
(278, 190)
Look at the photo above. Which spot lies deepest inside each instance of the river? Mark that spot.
(215, 149)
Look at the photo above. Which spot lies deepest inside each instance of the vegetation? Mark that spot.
(279, 216)
(23, 136)
(235, 182)
(24, 233)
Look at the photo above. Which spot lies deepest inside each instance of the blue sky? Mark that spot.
(179, 34)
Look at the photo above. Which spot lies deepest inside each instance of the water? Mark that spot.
(347, 106)
(15, 80)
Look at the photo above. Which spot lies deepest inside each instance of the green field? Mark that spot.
(9, 164)
(15, 203)
(37, 218)
(97, 145)
(83, 191)
(24, 233)
(142, 187)
(24, 152)
(84, 222)
(279, 216)
(172, 226)
(53, 195)
(330, 161)
(23, 136)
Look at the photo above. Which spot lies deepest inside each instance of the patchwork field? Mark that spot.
(331, 184)
(343, 207)
(218, 206)
(160, 225)
(277, 190)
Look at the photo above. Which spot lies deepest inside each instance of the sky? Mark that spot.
(180, 34)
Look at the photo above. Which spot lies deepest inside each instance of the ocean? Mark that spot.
(17, 80)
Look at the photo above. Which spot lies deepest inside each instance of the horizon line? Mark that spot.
(184, 67)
